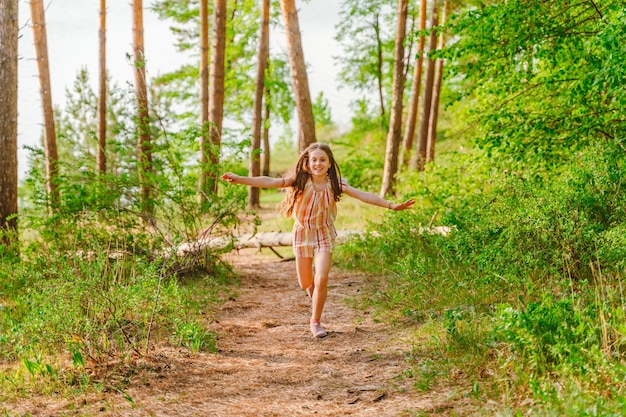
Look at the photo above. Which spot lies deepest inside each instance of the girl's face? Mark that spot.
(319, 163)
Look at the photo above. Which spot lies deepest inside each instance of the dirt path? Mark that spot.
(268, 363)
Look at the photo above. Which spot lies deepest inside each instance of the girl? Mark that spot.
(313, 192)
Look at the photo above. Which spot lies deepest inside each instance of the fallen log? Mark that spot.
(275, 239)
(250, 240)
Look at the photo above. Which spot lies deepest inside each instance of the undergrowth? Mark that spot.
(524, 296)
(100, 283)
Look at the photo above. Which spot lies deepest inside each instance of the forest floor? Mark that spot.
(268, 364)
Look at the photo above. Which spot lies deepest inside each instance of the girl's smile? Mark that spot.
(318, 162)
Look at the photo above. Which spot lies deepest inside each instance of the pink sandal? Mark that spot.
(317, 329)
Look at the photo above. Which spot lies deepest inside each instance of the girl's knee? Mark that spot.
(321, 281)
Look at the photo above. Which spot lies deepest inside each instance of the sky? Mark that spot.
(72, 33)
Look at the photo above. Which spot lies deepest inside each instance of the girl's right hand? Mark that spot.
(230, 177)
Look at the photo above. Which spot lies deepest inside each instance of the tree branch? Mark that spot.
(597, 10)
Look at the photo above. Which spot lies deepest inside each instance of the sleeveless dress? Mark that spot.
(314, 214)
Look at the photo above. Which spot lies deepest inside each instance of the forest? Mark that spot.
(504, 120)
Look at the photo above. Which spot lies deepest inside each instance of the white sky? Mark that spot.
(73, 44)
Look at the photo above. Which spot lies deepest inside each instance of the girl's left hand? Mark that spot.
(230, 177)
(402, 206)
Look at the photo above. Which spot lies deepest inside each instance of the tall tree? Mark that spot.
(257, 115)
(204, 98)
(210, 150)
(298, 74)
(279, 102)
(50, 141)
(242, 26)
(266, 136)
(434, 106)
(8, 120)
(395, 123)
(411, 120)
(101, 160)
(144, 145)
(419, 158)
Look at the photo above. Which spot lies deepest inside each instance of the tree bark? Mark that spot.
(419, 159)
(9, 28)
(210, 150)
(395, 123)
(411, 121)
(379, 53)
(299, 75)
(101, 160)
(257, 115)
(144, 146)
(434, 111)
(50, 142)
(266, 135)
(204, 102)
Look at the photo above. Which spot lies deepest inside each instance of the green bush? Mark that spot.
(103, 307)
(101, 280)
(530, 279)
(551, 334)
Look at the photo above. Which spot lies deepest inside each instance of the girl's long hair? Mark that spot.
(302, 176)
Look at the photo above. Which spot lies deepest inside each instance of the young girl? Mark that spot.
(313, 192)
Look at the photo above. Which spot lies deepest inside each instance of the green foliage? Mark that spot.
(99, 308)
(550, 334)
(358, 153)
(368, 41)
(515, 230)
(545, 78)
(194, 337)
(182, 86)
(100, 280)
(321, 111)
(530, 273)
(563, 351)
(544, 229)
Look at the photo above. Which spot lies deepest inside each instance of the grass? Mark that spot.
(88, 320)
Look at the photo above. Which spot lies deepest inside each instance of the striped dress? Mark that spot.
(314, 214)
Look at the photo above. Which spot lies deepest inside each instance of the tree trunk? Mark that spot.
(210, 151)
(257, 116)
(266, 135)
(299, 75)
(101, 160)
(50, 141)
(419, 159)
(8, 121)
(204, 103)
(379, 51)
(144, 146)
(409, 47)
(395, 123)
(434, 110)
(411, 121)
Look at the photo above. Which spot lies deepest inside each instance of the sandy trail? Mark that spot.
(268, 363)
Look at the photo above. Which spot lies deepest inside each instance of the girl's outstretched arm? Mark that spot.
(373, 199)
(259, 182)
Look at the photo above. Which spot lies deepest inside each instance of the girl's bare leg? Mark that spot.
(305, 274)
(322, 268)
